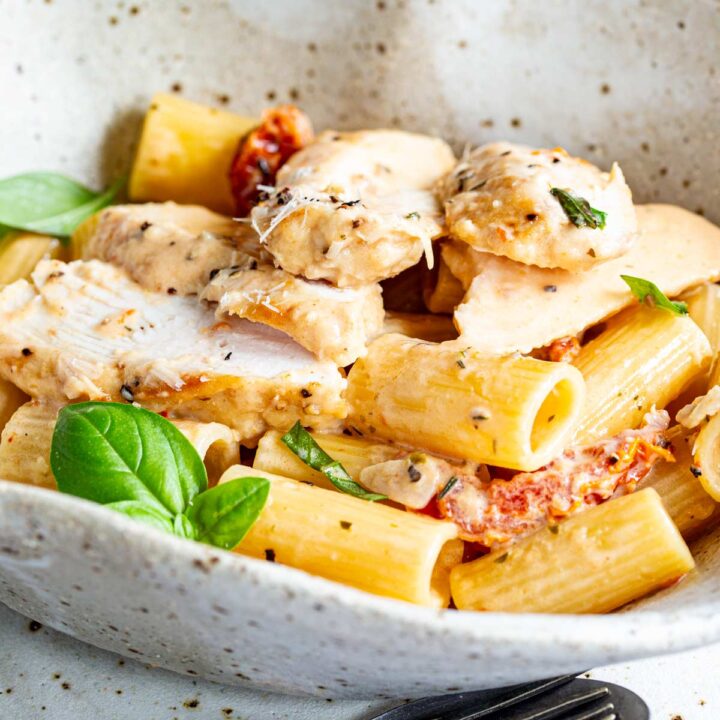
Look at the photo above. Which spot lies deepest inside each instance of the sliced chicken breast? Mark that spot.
(538, 207)
(167, 247)
(333, 323)
(511, 307)
(354, 208)
(85, 330)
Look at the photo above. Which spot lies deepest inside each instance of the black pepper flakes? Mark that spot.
(34, 626)
(695, 470)
(172, 291)
(414, 474)
(228, 356)
(127, 394)
(345, 525)
(550, 288)
(531, 217)
(305, 393)
(270, 555)
(27, 352)
(144, 226)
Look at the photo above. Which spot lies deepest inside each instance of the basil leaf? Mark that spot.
(49, 203)
(110, 452)
(578, 210)
(649, 293)
(223, 515)
(301, 442)
(183, 527)
(139, 511)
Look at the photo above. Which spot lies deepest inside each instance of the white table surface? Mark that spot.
(47, 675)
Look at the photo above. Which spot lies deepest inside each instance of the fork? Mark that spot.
(561, 698)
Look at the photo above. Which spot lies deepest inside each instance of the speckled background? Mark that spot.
(632, 80)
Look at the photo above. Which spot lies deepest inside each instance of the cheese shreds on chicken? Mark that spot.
(354, 208)
(333, 323)
(496, 512)
(511, 307)
(702, 408)
(85, 331)
(498, 199)
(167, 247)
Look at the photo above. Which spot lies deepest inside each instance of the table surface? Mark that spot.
(45, 674)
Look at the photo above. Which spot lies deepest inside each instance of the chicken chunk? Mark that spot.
(333, 323)
(354, 208)
(539, 207)
(85, 330)
(511, 307)
(167, 247)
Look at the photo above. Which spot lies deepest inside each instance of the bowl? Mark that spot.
(633, 82)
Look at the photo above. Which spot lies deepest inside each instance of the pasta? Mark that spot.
(433, 328)
(26, 438)
(21, 252)
(355, 454)
(369, 546)
(514, 412)
(185, 153)
(594, 562)
(532, 425)
(624, 384)
(682, 493)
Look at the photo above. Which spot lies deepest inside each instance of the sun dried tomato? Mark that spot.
(283, 131)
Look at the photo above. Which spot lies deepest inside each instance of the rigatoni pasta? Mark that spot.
(21, 252)
(643, 359)
(515, 412)
(369, 546)
(592, 563)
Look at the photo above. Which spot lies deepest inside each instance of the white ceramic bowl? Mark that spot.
(620, 80)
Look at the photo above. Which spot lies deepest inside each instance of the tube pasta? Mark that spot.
(20, 252)
(704, 308)
(683, 495)
(643, 359)
(369, 546)
(433, 328)
(185, 153)
(707, 456)
(446, 293)
(593, 562)
(515, 412)
(11, 398)
(354, 454)
(26, 439)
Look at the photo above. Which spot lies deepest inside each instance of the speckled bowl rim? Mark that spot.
(637, 633)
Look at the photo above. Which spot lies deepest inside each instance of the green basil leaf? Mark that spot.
(301, 442)
(110, 452)
(223, 515)
(183, 527)
(578, 210)
(49, 203)
(145, 514)
(649, 293)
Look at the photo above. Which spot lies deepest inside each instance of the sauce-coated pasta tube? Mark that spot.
(353, 453)
(515, 412)
(704, 308)
(20, 252)
(684, 497)
(644, 358)
(369, 546)
(27, 437)
(433, 328)
(707, 456)
(185, 153)
(445, 292)
(592, 563)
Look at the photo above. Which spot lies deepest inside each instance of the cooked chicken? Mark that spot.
(513, 307)
(539, 207)
(355, 207)
(84, 330)
(333, 323)
(167, 247)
